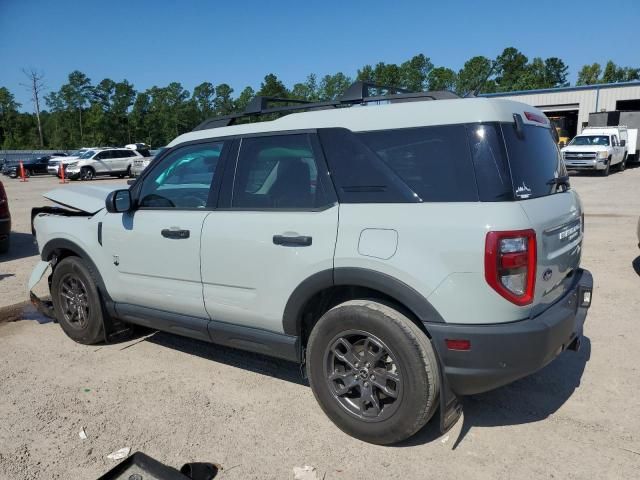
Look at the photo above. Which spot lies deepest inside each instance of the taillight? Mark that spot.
(510, 264)
(4, 204)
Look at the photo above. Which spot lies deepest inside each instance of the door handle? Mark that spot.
(299, 241)
(175, 233)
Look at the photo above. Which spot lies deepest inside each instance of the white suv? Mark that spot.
(405, 253)
(102, 161)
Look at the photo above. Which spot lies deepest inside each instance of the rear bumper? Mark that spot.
(503, 353)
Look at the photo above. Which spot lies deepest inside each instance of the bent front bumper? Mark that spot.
(502, 353)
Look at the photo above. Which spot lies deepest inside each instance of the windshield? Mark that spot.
(87, 154)
(591, 140)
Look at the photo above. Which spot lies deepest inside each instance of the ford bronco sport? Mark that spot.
(406, 248)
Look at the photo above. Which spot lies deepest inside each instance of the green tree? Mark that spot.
(442, 78)
(243, 99)
(307, 90)
(474, 75)
(555, 73)
(272, 87)
(203, 98)
(589, 74)
(414, 73)
(333, 86)
(223, 103)
(511, 65)
(8, 119)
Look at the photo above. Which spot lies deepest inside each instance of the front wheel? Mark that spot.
(373, 371)
(87, 173)
(605, 172)
(77, 302)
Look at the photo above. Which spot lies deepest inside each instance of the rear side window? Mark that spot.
(490, 162)
(359, 175)
(534, 160)
(433, 161)
(277, 172)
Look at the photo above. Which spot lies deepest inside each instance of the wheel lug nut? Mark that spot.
(373, 377)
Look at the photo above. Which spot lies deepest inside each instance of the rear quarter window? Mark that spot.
(434, 162)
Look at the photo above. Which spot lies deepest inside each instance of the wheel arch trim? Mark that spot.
(357, 277)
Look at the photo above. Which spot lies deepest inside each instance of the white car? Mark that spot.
(597, 148)
(403, 253)
(102, 161)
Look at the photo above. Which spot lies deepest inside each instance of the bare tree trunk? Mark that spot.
(80, 112)
(35, 86)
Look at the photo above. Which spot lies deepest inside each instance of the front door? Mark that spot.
(102, 161)
(278, 229)
(156, 247)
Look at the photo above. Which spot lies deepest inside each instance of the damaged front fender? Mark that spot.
(43, 306)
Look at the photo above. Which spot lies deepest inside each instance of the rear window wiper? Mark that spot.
(560, 181)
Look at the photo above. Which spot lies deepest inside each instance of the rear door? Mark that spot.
(277, 227)
(555, 213)
(156, 248)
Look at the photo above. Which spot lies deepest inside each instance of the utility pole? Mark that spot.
(36, 86)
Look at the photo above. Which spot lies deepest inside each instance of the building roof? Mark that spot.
(597, 86)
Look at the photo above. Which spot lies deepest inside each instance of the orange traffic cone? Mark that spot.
(23, 177)
(61, 171)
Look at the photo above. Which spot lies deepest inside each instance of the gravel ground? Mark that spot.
(180, 400)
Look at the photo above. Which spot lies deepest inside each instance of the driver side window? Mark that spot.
(183, 178)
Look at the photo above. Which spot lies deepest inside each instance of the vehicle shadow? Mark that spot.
(528, 400)
(22, 245)
(636, 265)
(253, 362)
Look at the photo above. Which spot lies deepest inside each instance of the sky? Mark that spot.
(239, 42)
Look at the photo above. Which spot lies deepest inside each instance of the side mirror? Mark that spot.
(623, 143)
(118, 201)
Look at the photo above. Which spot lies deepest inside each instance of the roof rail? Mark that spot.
(357, 93)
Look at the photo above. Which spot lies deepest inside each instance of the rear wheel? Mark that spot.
(373, 371)
(76, 301)
(623, 164)
(87, 173)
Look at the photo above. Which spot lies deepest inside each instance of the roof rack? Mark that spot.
(357, 94)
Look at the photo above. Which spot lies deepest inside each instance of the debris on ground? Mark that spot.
(305, 473)
(82, 434)
(118, 454)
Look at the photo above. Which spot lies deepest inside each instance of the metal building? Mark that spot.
(569, 107)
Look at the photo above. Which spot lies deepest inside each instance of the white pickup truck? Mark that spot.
(597, 148)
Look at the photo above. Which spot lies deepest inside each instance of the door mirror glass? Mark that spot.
(118, 201)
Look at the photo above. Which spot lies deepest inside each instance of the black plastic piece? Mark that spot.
(175, 234)
(301, 241)
(139, 466)
(357, 93)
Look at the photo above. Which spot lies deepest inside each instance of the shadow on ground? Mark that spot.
(252, 362)
(22, 245)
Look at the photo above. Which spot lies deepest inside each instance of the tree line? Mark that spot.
(83, 113)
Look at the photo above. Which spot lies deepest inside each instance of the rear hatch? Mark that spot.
(555, 212)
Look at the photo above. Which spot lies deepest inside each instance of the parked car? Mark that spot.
(139, 164)
(32, 166)
(597, 148)
(404, 253)
(54, 163)
(5, 221)
(103, 161)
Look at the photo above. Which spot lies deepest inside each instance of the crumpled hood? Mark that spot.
(85, 198)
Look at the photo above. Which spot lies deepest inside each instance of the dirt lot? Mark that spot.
(181, 400)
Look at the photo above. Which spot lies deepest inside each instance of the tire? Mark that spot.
(87, 173)
(623, 164)
(605, 172)
(409, 365)
(27, 172)
(77, 302)
(128, 174)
